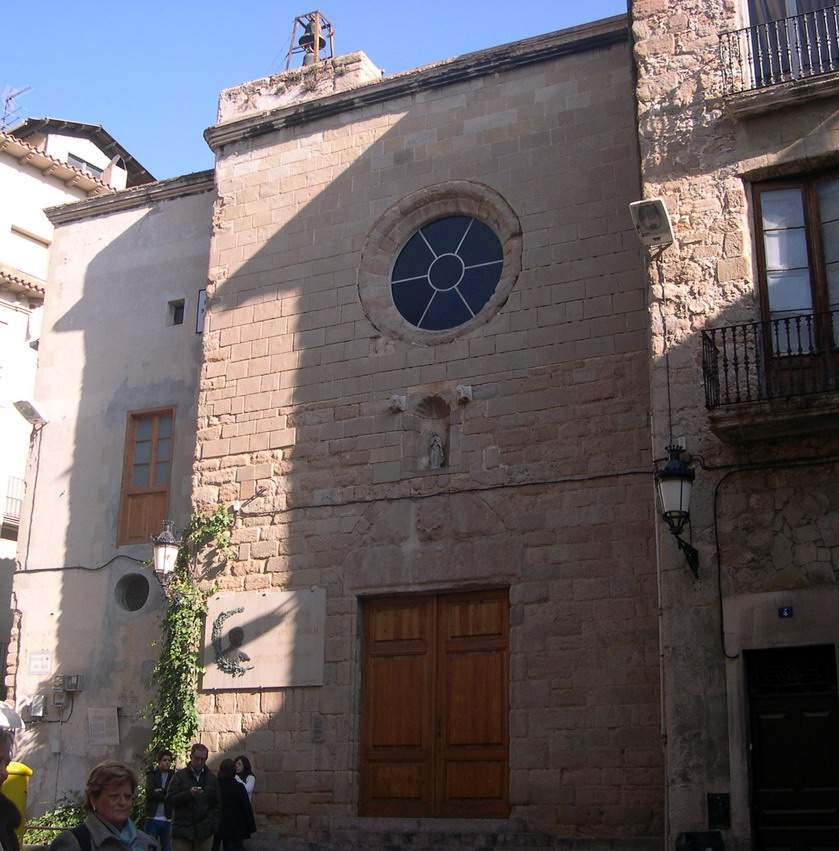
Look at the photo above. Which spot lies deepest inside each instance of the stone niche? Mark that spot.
(430, 437)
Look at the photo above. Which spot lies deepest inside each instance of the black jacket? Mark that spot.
(9, 822)
(194, 817)
(236, 813)
(156, 792)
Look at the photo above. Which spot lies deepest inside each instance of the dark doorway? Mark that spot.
(794, 744)
(434, 706)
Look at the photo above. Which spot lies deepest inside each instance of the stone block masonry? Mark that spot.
(765, 530)
(546, 484)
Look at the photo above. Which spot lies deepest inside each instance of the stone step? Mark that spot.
(431, 835)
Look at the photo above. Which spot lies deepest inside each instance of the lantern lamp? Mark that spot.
(674, 483)
(165, 551)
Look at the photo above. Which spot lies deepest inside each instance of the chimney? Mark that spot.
(115, 173)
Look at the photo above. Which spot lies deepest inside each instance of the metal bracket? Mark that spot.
(691, 555)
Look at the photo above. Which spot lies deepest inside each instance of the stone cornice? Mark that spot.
(493, 60)
(129, 199)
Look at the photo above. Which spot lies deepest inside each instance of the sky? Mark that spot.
(150, 72)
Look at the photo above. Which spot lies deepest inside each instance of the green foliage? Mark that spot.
(138, 808)
(174, 711)
(68, 812)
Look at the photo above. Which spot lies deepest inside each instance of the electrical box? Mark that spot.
(38, 707)
(72, 683)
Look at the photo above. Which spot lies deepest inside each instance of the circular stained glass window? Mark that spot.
(446, 273)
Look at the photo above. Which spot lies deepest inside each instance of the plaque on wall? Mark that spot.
(103, 725)
(40, 662)
(264, 639)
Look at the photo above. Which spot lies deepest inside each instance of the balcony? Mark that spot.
(774, 378)
(14, 501)
(772, 64)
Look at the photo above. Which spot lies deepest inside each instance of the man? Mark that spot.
(194, 800)
(9, 816)
(158, 810)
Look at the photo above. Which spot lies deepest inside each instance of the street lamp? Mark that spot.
(674, 483)
(165, 551)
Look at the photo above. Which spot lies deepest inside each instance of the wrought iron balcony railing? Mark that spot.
(14, 499)
(776, 359)
(783, 51)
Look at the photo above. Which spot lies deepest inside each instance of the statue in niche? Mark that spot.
(436, 453)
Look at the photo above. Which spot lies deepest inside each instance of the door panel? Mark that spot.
(475, 714)
(397, 707)
(473, 675)
(435, 706)
(794, 724)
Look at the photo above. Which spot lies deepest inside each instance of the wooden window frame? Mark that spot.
(812, 230)
(126, 489)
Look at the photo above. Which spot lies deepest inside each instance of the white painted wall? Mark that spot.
(107, 348)
(24, 193)
(59, 146)
(17, 381)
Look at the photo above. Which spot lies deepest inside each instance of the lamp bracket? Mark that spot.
(691, 555)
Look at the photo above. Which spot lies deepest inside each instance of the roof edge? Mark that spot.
(602, 33)
(50, 166)
(17, 281)
(138, 174)
(130, 199)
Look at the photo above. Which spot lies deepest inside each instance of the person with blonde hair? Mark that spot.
(109, 795)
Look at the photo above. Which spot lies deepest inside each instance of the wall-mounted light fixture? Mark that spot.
(674, 483)
(652, 222)
(32, 411)
(165, 551)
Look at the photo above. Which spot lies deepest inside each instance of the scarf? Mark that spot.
(127, 835)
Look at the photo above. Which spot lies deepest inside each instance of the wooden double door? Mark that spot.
(435, 729)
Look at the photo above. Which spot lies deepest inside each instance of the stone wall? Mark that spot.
(547, 488)
(773, 524)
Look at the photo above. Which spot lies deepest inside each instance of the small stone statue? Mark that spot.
(436, 453)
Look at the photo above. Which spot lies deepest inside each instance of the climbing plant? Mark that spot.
(174, 712)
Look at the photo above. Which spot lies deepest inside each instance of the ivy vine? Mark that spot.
(174, 710)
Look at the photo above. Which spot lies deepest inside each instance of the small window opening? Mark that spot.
(132, 591)
(176, 312)
(84, 165)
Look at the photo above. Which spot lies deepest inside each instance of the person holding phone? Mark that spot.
(194, 799)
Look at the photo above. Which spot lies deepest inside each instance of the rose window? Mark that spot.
(446, 273)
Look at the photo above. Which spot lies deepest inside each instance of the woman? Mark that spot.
(244, 774)
(237, 822)
(9, 816)
(109, 794)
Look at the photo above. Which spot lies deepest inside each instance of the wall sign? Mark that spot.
(40, 663)
(264, 639)
(103, 725)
